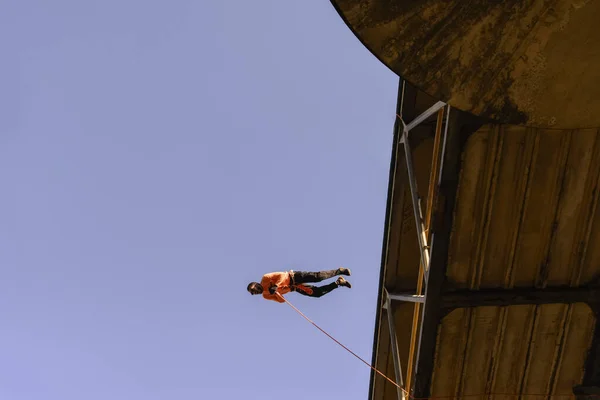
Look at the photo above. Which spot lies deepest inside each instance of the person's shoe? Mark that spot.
(342, 282)
(344, 271)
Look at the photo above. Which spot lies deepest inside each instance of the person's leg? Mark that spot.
(300, 277)
(318, 291)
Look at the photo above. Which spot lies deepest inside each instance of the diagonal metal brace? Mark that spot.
(423, 245)
(428, 113)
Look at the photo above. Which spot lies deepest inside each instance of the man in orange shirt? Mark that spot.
(296, 281)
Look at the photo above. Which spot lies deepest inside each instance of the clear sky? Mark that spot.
(155, 157)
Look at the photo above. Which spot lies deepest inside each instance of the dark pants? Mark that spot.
(304, 277)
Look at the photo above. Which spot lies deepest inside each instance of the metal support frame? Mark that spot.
(424, 246)
(590, 385)
(419, 220)
(428, 113)
(586, 392)
(434, 245)
(407, 297)
(466, 298)
(394, 342)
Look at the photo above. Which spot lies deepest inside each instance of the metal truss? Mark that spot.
(463, 298)
(425, 239)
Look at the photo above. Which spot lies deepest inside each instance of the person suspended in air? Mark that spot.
(296, 281)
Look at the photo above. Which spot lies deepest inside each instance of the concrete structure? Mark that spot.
(491, 255)
(526, 62)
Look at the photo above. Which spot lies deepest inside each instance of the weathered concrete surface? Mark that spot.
(534, 63)
(526, 216)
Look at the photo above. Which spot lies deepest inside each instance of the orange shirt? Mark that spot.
(281, 280)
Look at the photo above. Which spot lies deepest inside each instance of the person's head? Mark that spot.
(255, 288)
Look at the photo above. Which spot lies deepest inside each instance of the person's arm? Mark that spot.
(274, 297)
(267, 282)
(274, 288)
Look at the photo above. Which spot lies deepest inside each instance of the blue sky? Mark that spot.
(155, 157)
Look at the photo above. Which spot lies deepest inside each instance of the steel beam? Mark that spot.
(423, 247)
(428, 113)
(460, 126)
(407, 297)
(419, 220)
(394, 342)
(586, 392)
(508, 297)
(591, 376)
(519, 296)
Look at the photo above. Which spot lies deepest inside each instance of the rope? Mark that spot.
(335, 340)
(408, 395)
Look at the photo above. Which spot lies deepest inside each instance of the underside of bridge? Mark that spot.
(490, 275)
(509, 300)
(525, 62)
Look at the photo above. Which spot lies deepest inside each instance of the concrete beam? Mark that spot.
(519, 296)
